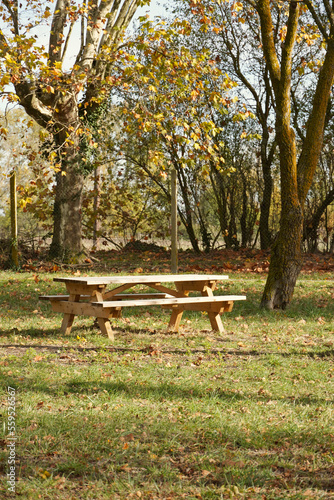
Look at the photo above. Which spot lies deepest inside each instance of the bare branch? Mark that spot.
(119, 21)
(67, 41)
(269, 49)
(329, 12)
(289, 42)
(13, 14)
(57, 30)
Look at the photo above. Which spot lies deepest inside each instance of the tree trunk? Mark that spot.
(67, 228)
(96, 207)
(265, 234)
(286, 258)
(187, 219)
(285, 262)
(66, 241)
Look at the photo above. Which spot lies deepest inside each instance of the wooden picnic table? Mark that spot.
(91, 296)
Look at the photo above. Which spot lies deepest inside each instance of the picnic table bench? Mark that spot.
(90, 296)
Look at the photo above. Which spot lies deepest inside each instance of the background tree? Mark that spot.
(174, 109)
(233, 41)
(296, 173)
(60, 94)
(20, 144)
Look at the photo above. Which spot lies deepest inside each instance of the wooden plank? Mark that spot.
(53, 297)
(175, 320)
(141, 279)
(216, 307)
(121, 296)
(170, 301)
(148, 295)
(216, 322)
(84, 289)
(83, 308)
(197, 286)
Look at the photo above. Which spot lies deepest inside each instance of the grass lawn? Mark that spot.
(195, 415)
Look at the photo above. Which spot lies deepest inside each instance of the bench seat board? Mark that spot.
(121, 296)
(171, 301)
(215, 303)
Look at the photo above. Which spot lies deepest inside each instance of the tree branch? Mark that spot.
(267, 29)
(13, 13)
(57, 30)
(316, 18)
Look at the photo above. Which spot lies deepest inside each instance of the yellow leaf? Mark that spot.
(9, 58)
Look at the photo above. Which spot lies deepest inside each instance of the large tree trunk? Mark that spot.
(66, 242)
(286, 258)
(285, 261)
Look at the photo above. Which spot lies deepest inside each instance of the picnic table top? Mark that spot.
(140, 279)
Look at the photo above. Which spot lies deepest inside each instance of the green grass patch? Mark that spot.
(195, 415)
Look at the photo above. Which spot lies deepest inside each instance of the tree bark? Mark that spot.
(96, 208)
(66, 241)
(285, 263)
(296, 178)
(266, 163)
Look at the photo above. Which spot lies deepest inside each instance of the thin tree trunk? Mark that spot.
(265, 234)
(188, 220)
(311, 228)
(96, 206)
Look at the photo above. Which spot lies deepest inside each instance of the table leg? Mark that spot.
(68, 319)
(105, 327)
(175, 320)
(176, 315)
(104, 323)
(215, 319)
(67, 323)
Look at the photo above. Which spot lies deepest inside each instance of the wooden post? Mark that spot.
(13, 219)
(174, 263)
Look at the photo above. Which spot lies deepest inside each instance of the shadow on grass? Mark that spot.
(34, 333)
(272, 465)
(158, 392)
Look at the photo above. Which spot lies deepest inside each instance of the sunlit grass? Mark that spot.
(246, 414)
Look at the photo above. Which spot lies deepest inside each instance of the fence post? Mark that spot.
(174, 256)
(13, 220)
